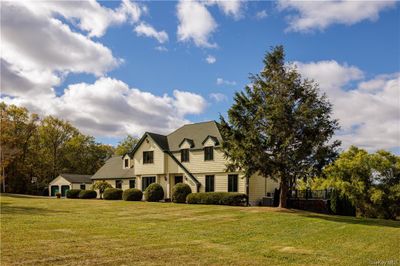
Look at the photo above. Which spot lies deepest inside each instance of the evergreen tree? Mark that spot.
(279, 126)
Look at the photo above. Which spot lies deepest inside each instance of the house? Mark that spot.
(191, 154)
(65, 182)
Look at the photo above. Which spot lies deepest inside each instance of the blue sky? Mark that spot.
(352, 53)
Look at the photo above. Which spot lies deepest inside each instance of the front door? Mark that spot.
(54, 190)
(178, 179)
(64, 190)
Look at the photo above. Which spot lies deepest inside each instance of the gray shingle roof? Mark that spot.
(113, 169)
(73, 178)
(197, 132)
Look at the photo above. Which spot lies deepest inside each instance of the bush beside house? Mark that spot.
(87, 194)
(154, 192)
(180, 192)
(112, 194)
(132, 194)
(217, 198)
(73, 193)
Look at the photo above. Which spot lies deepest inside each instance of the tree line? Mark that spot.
(35, 150)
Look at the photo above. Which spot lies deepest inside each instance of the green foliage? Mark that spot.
(154, 192)
(217, 198)
(180, 192)
(43, 148)
(279, 126)
(132, 194)
(101, 186)
(87, 194)
(113, 194)
(340, 204)
(126, 145)
(370, 181)
(73, 193)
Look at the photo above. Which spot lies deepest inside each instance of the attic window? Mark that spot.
(185, 155)
(126, 163)
(208, 153)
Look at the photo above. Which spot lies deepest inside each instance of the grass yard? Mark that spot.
(47, 231)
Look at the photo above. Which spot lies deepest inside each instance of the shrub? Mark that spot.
(154, 192)
(132, 194)
(217, 198)
(112, 194)
(180, 192)
(87, 194)
(101, 186)
(73, 193)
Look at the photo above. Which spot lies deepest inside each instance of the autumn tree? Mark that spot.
(126, 145)
(279, 126)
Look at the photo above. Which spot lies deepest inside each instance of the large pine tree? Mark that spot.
(280, 126)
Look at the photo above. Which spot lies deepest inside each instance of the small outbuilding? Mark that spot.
(65, 182)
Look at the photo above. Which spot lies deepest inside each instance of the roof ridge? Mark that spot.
(191, 124)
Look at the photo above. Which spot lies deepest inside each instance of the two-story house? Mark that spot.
(191, 154)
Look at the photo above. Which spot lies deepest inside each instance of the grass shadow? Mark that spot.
(7, 208)
(23, 196)
(354, 220)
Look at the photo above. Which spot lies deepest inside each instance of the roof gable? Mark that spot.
(212, 138)
(190, 142)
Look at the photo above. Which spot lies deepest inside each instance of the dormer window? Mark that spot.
(126, 163)
(208, 153)
(185, 155)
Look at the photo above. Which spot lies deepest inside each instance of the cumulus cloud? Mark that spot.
(211, 59)
(318, 15)
(221, 81)
(218, 97)
(261, 14)
(109, 107)
(368, 110)
(196, 23)
(33, 60)
(144, 29)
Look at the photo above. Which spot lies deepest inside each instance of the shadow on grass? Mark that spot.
(24, 196)
(354, 220)
(8, 208)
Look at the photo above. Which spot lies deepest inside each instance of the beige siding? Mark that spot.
(78, 186)
(148, 169)
(221, 182)
(259, 187)
(59, 181)
(197, 164)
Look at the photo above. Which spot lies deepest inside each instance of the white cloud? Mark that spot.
(144, 29)
(211, 59)
(33, 60)
(161, 48)
(195, 23)
(228, 7)
(319, 15)
(218, 97)
(109, 107)
(368, 110)
(221, 81)
(261, 14)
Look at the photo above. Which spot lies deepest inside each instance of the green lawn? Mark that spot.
(47, 231)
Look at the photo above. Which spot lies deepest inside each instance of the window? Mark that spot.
(178, 179)
(185, 155)
(126, 163)
(83, 186)
(208, 153)
(118, 184)
(148, 157)
(232, 183)
(132, 183)
(209, 183)
(146, 181)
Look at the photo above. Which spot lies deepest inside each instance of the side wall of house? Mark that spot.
(197, 164)
(58, 181)
(157, 167)
(259, 187)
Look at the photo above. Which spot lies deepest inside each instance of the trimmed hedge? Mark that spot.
(217, 198)
(180, 192)
(87, 194)
(132, 194)
(112, 194)
(73, 193)
(154, 192)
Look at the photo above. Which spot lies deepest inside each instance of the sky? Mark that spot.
(115, 68)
